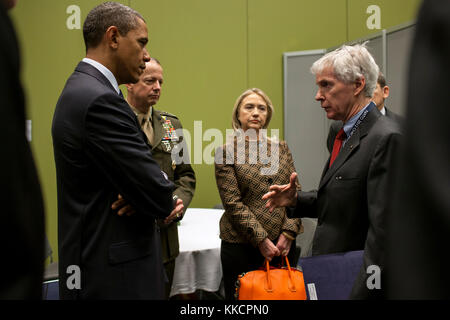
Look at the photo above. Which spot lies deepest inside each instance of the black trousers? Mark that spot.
(170, 269)
(238, 258)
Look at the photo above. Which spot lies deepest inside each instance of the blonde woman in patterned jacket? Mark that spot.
(245, 167)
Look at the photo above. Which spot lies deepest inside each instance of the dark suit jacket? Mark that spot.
(22, 227)
(100, 152)
(420, 213)
(182, 175)
(392, 115)
(337, 125)
(351, 201)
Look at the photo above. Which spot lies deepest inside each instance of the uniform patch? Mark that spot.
(170, 134)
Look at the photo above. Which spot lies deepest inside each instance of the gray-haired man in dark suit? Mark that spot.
(380, 94)
(351, 201)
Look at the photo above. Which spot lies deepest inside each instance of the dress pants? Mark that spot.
(169, 267)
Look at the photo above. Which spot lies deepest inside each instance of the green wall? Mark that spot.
(211, 51)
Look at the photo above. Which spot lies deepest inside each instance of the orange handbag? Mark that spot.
(284, 283)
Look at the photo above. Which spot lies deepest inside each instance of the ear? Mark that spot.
(129, 86)
(360, 84)
(385, 92)
(112, 35)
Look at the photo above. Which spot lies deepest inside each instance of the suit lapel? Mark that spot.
(93, 72)
(350, 146)
(389, 113)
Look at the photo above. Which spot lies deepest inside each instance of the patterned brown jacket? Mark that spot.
(244, 171)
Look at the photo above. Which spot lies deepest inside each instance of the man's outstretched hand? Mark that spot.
(282, 195)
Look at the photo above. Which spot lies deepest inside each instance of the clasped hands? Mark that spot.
(269, 250)
(124, 208)
(279, 196)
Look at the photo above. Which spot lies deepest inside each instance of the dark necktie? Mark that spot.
(338, 141)
(121, 94)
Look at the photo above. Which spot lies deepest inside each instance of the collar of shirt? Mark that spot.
(348, 126)
(105, 71)
(383, 111)
(148, 115)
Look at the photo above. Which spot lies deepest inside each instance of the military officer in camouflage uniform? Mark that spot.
(160, 128)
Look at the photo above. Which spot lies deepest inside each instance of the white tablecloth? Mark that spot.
(198, 265)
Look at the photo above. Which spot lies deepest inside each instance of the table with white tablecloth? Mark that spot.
(198, 265)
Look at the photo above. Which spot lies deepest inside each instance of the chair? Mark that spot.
(50, 290)
(331, 276)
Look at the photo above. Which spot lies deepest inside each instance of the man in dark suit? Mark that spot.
(159, 127)
(100, 152)
(22, 223)
(380, 94)
(350, 203)
(420, 212)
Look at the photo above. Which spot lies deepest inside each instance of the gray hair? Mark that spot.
(349, 64)
(106, 15)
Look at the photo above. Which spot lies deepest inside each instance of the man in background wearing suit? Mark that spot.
(22, 227)
(100, 152)
(351, 200)
(159, 128)
(380, 94)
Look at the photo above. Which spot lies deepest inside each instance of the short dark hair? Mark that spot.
(106, 15)
(381, 80)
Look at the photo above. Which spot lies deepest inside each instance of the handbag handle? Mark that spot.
(292, 288)
(269, 282)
